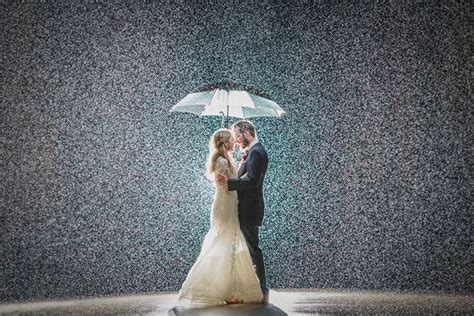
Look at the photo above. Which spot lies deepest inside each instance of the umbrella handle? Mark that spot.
(223, 119)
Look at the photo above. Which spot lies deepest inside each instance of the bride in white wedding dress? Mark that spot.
(223, 272)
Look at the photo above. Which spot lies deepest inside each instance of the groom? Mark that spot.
(249, 186)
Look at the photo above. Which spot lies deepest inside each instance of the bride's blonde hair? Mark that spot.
(217, 148)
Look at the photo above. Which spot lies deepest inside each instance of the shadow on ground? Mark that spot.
(229, 310)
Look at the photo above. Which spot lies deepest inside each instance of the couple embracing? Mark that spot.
(230, 268)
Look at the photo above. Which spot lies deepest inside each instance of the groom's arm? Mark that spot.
(251, 179)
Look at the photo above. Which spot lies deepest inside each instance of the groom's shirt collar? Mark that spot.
(252, 144)
(245, 153)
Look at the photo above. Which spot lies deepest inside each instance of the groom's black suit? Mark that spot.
(249, 186)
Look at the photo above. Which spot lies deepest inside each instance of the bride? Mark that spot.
(223, 272)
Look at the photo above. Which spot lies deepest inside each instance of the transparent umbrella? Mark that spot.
(228, 99)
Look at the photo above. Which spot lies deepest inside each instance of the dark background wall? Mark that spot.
(103, 189)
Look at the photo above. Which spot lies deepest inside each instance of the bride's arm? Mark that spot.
(222, 171)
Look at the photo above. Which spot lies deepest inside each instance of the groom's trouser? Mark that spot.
(251, 235)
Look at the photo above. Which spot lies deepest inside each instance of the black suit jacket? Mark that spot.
(249, 186)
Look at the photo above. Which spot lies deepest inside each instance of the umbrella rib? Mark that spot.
(212, 98)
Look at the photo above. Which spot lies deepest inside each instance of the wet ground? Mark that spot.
(282, 302)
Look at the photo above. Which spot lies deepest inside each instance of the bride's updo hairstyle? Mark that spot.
(218, 148)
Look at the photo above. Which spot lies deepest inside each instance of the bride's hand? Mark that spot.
(221, 179)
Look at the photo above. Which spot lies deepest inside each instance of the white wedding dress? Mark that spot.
(224, 268)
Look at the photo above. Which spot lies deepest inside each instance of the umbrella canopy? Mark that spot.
(228, 99)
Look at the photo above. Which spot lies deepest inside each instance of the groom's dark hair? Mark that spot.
(244, 125)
